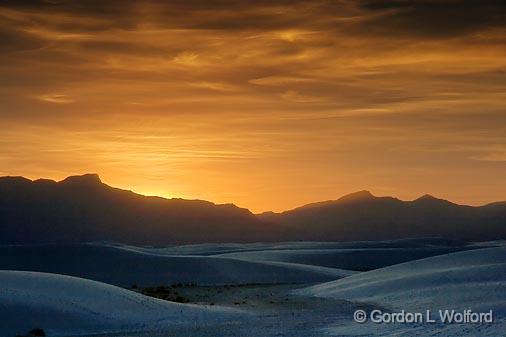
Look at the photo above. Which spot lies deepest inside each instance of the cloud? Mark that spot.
(295, 96)
(432, 19)
(14, 40)
(217, 86)
(282, 94)
(187, 58)
(55, 98)
(393, 17)
(281, 80)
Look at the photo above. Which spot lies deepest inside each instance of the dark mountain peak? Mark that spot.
(267, 216)
(497, 203)
(267, 213)
(357, 196)
(43, 181)
(427, 197)
(14, 180)
(431, 201)
(82, 208)
(88, 179)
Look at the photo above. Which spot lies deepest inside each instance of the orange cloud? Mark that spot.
(269, 105)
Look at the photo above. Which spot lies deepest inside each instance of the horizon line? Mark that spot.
(310, 204)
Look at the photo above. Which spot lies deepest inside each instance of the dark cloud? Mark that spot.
(417, 18)
(434, 19)
(124, 47)
(13, 40)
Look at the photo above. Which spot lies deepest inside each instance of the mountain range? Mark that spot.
(83, 209)
(362, 216)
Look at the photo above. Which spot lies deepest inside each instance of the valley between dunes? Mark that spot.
(259, 289)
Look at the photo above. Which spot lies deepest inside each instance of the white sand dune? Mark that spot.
(206, 249)
(126, 266)
(63, 305)
(473, 280)
(349, 256)
(66, 305)
(463, 276)
(358, 259)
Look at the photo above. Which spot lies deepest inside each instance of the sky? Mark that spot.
(268, 104)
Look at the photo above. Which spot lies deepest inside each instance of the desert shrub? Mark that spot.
(165, 293)
(181, 299)
(37, 332)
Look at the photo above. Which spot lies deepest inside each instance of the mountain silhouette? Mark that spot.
(362, 216)
(82, 209)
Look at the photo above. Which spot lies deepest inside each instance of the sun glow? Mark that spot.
(269, 106)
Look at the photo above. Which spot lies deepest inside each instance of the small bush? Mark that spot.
(181, 299)
(37, 332)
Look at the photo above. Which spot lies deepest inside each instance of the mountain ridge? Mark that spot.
(363, 216)
(365, 195)
(83, 208)
(353, 196)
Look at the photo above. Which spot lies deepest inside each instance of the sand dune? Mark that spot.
(465, 276)
(65, 305)
(126, 267)
(350, 259)
(473, 280)
(205, 249)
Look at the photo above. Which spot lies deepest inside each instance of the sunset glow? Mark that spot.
(265, 104)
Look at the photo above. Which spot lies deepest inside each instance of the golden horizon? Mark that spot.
(255, 211)
(269, 105)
